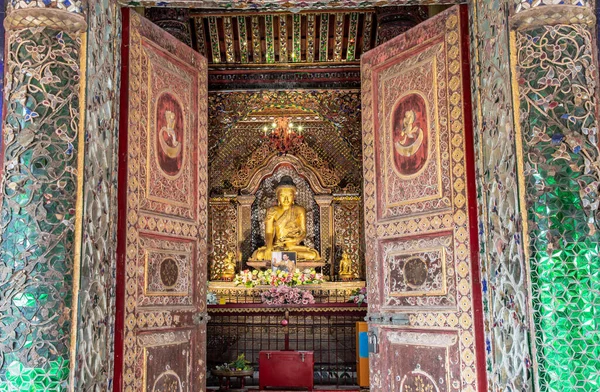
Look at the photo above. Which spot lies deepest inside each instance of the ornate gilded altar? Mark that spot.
(333, 220)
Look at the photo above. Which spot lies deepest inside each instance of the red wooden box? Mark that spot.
(286, 369)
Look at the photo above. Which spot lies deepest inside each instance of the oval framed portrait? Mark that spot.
(410, 135)
(170, 134)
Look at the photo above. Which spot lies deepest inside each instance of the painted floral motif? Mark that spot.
(419, 272)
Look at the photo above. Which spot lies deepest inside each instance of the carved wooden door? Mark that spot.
(420, 210)
(161, 278)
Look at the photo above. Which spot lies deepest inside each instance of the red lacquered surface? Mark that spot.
(286, 369)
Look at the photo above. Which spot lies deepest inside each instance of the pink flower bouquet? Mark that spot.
(285, 295)
(359, 296)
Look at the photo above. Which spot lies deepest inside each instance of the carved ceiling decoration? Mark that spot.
(284, 39)
(308, 49)
(332, 134)
(242, 79)
(281, 5)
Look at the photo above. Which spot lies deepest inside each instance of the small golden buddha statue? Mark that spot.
(229, 266)
(285, 226)
(346, 267)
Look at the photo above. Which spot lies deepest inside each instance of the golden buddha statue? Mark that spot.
(285, 226)
(345, 265)
(229, 266)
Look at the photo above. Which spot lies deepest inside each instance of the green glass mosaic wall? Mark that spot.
(556, 78)
(38, 209)
(21, 378)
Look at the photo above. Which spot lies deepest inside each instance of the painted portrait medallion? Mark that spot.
(170, 135)
(410, 136)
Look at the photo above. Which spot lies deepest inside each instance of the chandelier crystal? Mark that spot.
(283, 134)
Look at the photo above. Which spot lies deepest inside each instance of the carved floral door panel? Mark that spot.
(161, 315)
(420, 210)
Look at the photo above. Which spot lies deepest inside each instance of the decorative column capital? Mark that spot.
(213, 201)
(550, 15)
(324, 200)
(69, 20)
(350, 198)
(246, 200)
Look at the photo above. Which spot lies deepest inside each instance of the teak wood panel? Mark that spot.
(420, 209)
(161, 278)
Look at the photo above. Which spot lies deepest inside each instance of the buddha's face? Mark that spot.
(286, 197)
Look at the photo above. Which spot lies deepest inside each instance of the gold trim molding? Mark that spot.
(45, 17)
(521, 187)
(79, 209)
(552, 15)
(217, 285)
(275, 309)
(342, 198)
(335, 292)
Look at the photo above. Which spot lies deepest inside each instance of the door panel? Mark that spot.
(161, 331)
(421, 224)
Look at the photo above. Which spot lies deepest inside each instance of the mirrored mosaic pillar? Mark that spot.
(554, 86)
(40, 225)
(504, 282)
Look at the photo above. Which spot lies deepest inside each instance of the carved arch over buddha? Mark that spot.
(318, 184)
(302, 157)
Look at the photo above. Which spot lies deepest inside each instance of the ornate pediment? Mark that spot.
(264, 162)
